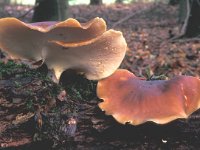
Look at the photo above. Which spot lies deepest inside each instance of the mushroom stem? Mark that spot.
(84, 47)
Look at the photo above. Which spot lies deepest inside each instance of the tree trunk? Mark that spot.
(3, 3)
(6, 2)
(96, 2)
(50, 10)
(174, 2)
(62, 9)
(193, 24)
(182, 11)
(119, 1)
(190, 11)
(45, 10)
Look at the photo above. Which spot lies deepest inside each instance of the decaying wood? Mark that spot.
(181, 40)
(96, 130)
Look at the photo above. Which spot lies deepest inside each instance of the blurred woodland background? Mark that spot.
(163, 39)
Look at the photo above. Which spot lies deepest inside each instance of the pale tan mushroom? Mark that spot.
(27, 41)
(20, 41)
(97, 59)
(87, 48)
(130, 99)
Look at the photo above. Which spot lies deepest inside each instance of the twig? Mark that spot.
(26, 13)
(186, 40)
(132, 15)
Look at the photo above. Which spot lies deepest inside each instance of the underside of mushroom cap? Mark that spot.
(96, 59)
(85, 47)
(71, 31)
(20, 41)
(130, 99)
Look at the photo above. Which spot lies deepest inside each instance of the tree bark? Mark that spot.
(119, 1)
(62, 9)
(193, 25)
(182, 11)
(190, 10)
(174, 2)
(96, 2)
(46, 10)
(6, 2)
(50, 10)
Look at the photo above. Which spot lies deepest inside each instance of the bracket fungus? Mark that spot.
(85, 47)
(130, 99)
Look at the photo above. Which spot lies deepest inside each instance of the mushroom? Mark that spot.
(27, 41)
(87, 48)
(97, 59)
(130, 99)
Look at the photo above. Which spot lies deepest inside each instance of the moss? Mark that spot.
(30, 105)
(78, 87)
(6, 70)
(81, 89)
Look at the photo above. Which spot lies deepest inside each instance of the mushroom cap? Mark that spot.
(130, 99)
(27, 41)
(96, 59)
(19, 40)
(85, 47)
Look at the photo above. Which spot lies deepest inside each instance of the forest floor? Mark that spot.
(74, 121)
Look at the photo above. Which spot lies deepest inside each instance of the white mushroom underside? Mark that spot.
(96, 60)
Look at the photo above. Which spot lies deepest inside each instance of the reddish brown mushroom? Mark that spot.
(134, 100)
